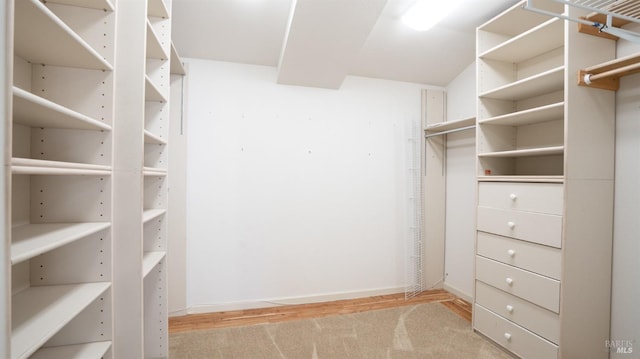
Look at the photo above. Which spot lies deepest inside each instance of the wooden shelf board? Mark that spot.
(35, 111)
(539, 40)
(527, 117)
(41, 37)
(154, 47)
(91, 4)
(151, 91)
(95, 350)
(176, 66)
(38, 313)
(150, 214)
(545, 82)
(450, 125)
(545, 151)
(150, 260)
(45, 167)
(157, 8)
(150, 137)
(519, 178)
(30, 240)
(152, 171)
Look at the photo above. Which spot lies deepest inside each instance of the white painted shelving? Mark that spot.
(545, 150)
(85, 251)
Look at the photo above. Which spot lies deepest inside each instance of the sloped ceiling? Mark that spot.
(319, 42)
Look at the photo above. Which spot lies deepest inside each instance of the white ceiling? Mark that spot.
(374, 44)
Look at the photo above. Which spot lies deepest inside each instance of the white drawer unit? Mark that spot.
(535, 288)
(529, 226)
(512, 336)
(530, 316)
(537, 258)
(530, 197)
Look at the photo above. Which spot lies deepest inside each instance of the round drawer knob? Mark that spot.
(507, 336)
(509, 308)
(509, 281)
(511, 253)
(513, 196)
(511, 224)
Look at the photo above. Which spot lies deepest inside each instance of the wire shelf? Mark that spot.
(626, 10)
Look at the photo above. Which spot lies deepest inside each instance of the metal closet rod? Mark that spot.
(449, 131)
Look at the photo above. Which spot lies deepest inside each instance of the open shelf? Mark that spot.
(517, 20)
(176, 66)
(42, 38)
(95, 350)
(91, 4)
(30, 240)
(544, 151)
(519, 178)
(35, 111)
(154, 47)
(527, 117)
(150, 214)
(151, 91)
(150, 137)
(150, 260)
(545, 82)
(540, 39)
(44, 167)
(40, 312)
(157, 8)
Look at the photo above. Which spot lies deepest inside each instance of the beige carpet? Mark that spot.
(421, 331)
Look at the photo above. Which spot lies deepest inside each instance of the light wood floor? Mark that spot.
(291, 312)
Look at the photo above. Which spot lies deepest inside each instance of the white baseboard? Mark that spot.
(451, 289)
(223, 307)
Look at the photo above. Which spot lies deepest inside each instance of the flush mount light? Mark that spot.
(425, 14)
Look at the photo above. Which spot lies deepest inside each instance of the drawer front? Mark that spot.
(536, 319)
(531, 197)
(511, 336)
(529, 226)
(535, 288)
(540, 259)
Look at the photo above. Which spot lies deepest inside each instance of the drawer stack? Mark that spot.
(518, 265)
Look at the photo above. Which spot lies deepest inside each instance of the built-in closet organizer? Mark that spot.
(60, 185)
(76, 167)
(545, 187)
(155, 173)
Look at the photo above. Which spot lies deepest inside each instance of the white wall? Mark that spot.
(461, 187)
(294, 192)
(625, 313)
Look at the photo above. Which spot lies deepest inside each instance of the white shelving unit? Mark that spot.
(545, 187)
(155, 179)
(87, 172)
(61, 171)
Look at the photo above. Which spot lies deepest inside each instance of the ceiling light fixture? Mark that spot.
(425, 14)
